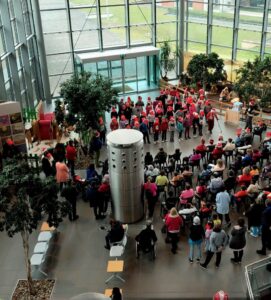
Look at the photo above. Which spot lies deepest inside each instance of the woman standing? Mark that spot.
(218, 241)
(150, 193)
(238, 240)
(196, 237)
(62, 173)
(173, 224)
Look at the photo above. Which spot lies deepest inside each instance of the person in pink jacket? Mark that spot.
(62, 173)
(173, 224)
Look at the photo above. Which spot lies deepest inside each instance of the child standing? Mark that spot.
(186, 125)
(179, 127)
(196, 237)
(156, 130)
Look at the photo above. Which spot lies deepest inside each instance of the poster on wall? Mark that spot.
(11, 125)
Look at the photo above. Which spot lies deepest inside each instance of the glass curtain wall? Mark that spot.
(71, 26)
(19, 63)
(237, 30)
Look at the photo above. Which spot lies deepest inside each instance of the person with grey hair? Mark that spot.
(196, 237)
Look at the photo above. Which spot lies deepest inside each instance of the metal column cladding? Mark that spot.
(126, 173)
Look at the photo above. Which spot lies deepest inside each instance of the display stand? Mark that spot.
(11, 125)
(232, 116)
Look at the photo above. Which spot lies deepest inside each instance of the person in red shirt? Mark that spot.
(240, 197)
(173, 224)
(156, 130)
(217, 152)
(201, 147)
(211, 119)
(114, 125)
(71, 156)
(164, 129)
(245, 178)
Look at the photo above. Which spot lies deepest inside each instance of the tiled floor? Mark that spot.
(78, 260)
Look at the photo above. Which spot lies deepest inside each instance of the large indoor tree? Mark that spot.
(168, 59)
(26, 199)
(206, 69)
(88, 96)
(254, 81)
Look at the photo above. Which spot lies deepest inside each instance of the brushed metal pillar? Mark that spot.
(126, 173)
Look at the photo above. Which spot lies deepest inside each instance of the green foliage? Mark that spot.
(254, 81)
(88, 96)
(206, 68)
(24, 197)
(24, 200)
(168, 59)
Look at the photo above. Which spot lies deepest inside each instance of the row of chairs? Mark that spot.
(42, 246)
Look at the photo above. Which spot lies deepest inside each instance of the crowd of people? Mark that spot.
(197, 191)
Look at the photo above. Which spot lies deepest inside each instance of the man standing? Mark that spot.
(145, 131)
(95, 146)
(223, 205)
(70, 193)
(266, 227)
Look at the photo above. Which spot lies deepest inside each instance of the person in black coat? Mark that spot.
(238, 240)
(93, 199)
(115, 234)
(146, 238)
(266, 228)
(254, 217)
(70, 193)
(46, 165)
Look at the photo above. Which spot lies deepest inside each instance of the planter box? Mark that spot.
(44, 289)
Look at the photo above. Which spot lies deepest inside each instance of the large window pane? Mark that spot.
(246, 55)
(111, 2)
(166, 31)
(140, 14)
(197, 12)
(223, 15)
(197, 32)
(56, 42)
(222, 36)
(249, 40)
(223, 52)
(166, 12)
(83, 19)
(47, 4)
(55, 82)
(196, 47)
(113, 16)
(141, 34)
(58, 64)
(114, 37)
(85, 40)
(54, 21)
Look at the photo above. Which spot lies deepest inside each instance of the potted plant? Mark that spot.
(206, 69)
(254, 81)
(24, 200)
(168, 59)
(88, 96)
